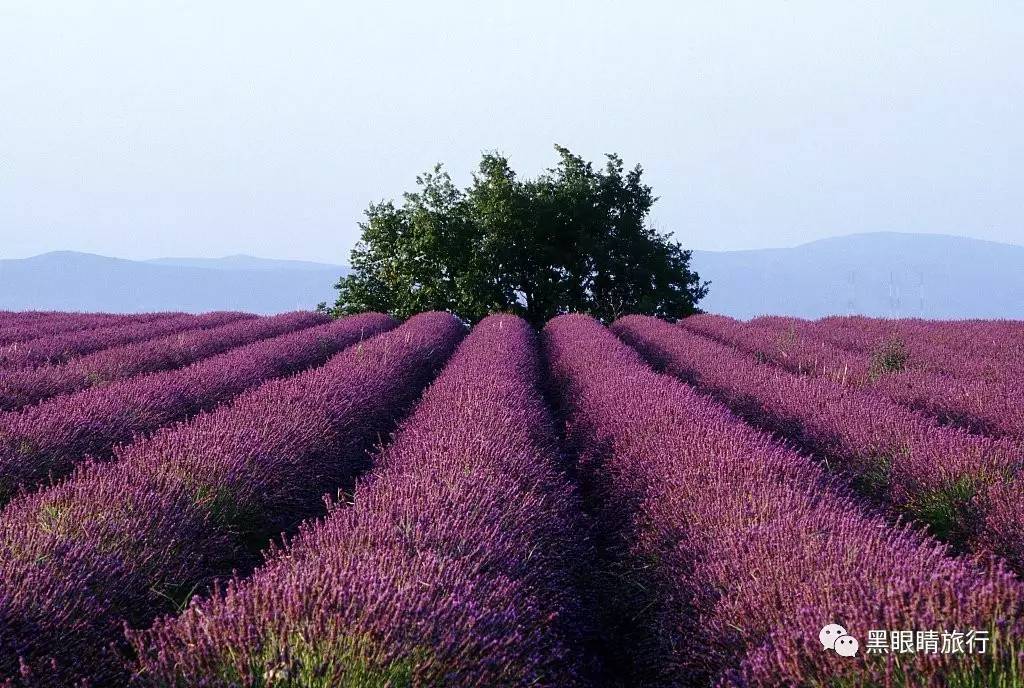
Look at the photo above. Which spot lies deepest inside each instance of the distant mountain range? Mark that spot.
(65, 280)
(883, 274)
(243, 262)
(880, 274)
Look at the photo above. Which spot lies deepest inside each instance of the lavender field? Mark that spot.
(229, 500)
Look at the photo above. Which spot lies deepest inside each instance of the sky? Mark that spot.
(141, 129)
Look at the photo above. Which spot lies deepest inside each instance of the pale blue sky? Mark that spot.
(141, 129)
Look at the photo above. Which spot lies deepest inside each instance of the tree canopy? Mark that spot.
(574, 239)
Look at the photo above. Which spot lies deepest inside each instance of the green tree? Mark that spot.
(574, 239)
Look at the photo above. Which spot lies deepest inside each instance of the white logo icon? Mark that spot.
(829, 634)
(835, 637)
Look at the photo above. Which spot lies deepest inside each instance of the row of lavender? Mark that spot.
(60, 348)
(747, 548)
(966, 375)
(24, 317)
(960, 348)
(16, 327)
(457, 564)
(969, 349)
(48, 440)
(165, 345)
(11, 318)
(956, 382)
(962, 486)
(124, 541)
(854, 350)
